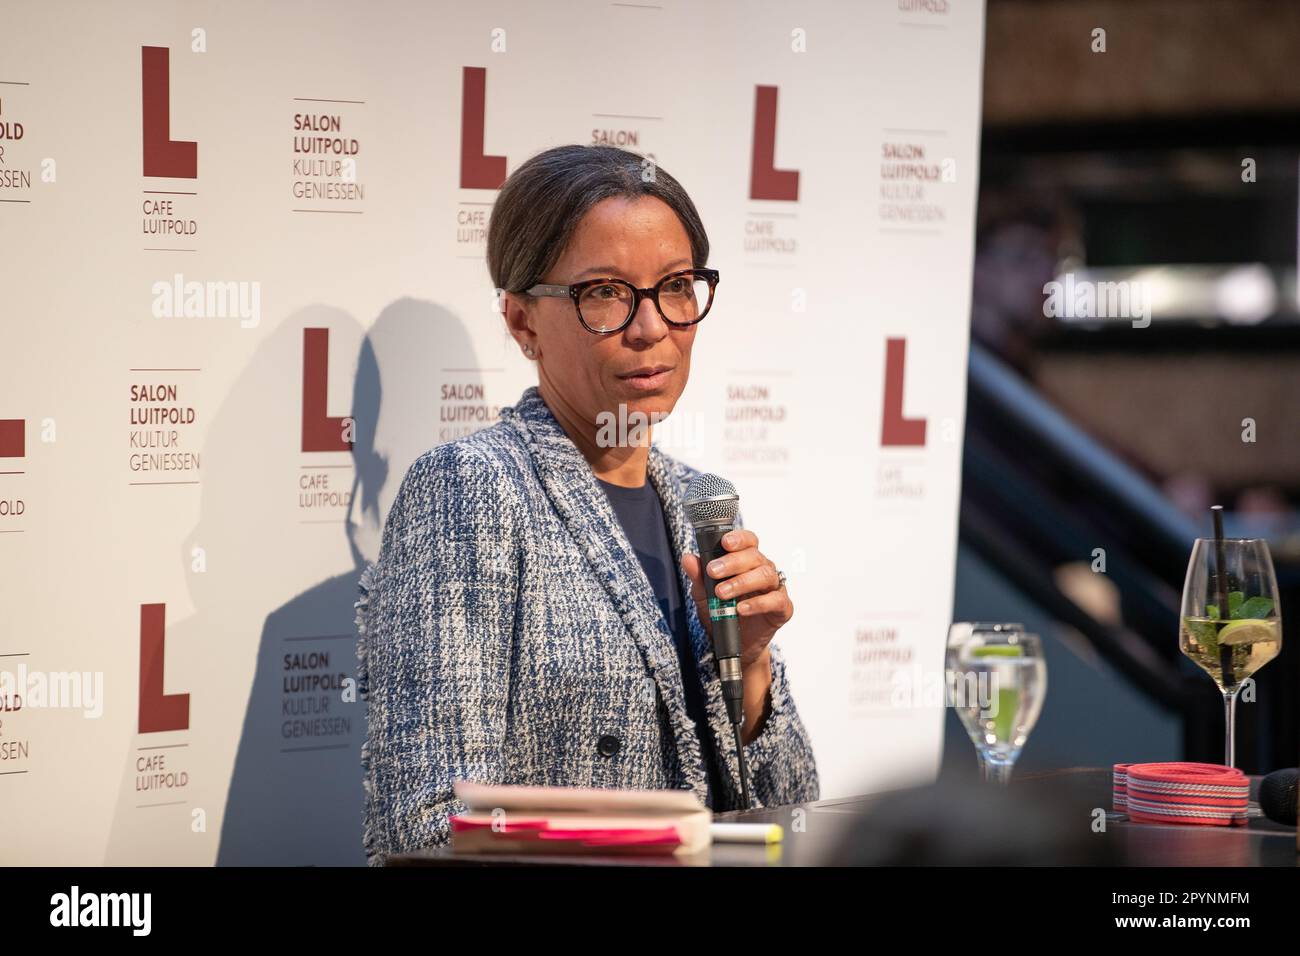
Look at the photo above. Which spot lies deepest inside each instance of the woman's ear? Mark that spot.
(517, 311)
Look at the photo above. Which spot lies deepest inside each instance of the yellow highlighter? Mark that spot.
(746, 832)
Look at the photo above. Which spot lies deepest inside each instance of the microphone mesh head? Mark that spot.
(711, 500)
(1277, 795)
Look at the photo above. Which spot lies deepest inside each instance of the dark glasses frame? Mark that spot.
(574, 292)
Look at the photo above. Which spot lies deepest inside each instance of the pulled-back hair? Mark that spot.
(542, 202)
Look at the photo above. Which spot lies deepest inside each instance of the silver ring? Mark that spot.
(780, 577)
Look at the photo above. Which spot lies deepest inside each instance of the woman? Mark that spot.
(525, 622)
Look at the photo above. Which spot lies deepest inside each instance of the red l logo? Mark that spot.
(477, 171)
(320, 432)
(765, 180)
(158, 711)
(163, 156)
(12, 444)
(895, 429)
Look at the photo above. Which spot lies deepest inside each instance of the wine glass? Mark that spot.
(1230, 646)
(997, 679)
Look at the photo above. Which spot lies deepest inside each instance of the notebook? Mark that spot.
(564, 820)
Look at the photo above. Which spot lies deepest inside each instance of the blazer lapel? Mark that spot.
(670, 479)
(586, 512)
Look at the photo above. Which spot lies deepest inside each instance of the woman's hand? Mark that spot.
(762, 605)
(749, 578)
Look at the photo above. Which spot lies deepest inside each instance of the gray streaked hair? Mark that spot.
(542, 202)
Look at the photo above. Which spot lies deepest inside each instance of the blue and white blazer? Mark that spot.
(509, 635)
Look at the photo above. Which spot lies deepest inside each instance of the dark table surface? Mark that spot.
(816, 834)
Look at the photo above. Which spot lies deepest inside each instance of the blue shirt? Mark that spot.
(641, 514)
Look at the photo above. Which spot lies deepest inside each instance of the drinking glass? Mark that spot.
(1230, 647)
(997, 679)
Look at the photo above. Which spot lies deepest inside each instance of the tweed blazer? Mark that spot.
(508, 634)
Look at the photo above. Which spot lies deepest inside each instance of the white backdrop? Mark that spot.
(170, 475)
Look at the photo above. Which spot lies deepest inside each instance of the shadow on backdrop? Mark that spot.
(298, 801)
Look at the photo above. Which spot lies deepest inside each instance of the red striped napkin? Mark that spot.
(1180, 792)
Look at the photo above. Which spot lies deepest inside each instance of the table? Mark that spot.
(1048, 818)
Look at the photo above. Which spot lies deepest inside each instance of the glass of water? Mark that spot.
(996, 681)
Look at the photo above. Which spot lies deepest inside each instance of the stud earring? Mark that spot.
(528, 350)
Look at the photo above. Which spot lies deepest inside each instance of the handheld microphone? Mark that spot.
(711, 506)
(711, 503)
(1277, 795)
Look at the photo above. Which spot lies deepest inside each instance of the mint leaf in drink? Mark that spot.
(1235, 600)
(1256, 607)
(1205, 632)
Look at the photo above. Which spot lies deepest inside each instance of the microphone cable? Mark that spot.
(744, 770)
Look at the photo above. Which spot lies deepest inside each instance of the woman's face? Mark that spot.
(640, 240)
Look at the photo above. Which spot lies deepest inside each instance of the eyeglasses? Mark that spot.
(607, 305)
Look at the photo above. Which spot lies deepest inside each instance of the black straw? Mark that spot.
(1221, 564)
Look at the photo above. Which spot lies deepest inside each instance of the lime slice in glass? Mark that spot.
(1004, 722)
(1246, 632)
(995, 650)
(1008, 698)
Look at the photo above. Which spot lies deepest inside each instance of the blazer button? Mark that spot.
(608, 745)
